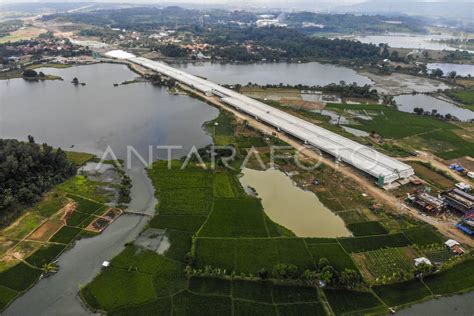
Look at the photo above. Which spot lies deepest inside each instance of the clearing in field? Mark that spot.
(24, 33)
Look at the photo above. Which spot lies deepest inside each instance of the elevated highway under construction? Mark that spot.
(382, 167)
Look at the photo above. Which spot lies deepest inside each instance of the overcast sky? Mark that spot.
(250, 2)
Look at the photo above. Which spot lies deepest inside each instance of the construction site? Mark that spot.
(385, 169)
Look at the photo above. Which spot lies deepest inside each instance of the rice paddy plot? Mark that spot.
(176, 178)
(235, 218)
(160, 306)
(294, 294)
(185, 223)
(251, 255)
(136, 259)
(76, 218)
(352, 216)
(315, 309)
(361, 244)
(20, 277)
(212, 286)
(85, 205)
(334, 253)
(397, 294)
(215, 252)
(354, 302)
(423, 236)
(65, 235)
(180, 244)
(455, 279)
(438, 255)
(244, 308)
(6, 295)
(45, 254)
(195, 201)
(294, 251)
(115, 288)
(251, 290)
(187, 303)
(225, 186)
(367, 228)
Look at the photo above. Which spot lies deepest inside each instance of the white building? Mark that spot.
(421, 260)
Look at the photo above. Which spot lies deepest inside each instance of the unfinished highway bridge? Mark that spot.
(382, 167)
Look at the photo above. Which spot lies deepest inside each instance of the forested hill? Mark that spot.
(27, 170)
(276, 43)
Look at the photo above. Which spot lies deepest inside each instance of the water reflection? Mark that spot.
(407, 103)
(313, 73)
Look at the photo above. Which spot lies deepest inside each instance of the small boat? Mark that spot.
(116, 84)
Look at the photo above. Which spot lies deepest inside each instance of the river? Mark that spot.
(92, 117)
(312, 73)
(456, 305)
(288, 205)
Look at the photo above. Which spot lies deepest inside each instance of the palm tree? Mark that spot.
(50, 268)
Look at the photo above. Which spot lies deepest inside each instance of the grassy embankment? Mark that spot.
(29, 246)
(222, 235)
(464, 96)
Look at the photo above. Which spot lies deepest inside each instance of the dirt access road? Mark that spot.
(445, 227)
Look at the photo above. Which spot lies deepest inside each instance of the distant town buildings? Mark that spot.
(269, 23)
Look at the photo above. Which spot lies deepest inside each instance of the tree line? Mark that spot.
(276, 43)
(342, 89)
(27, 170)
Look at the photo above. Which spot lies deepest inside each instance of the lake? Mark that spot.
(418, 41)
(91, 118)
(460, 69)
(312, 73)
(98, 115)
(290, 206)
(407, 103)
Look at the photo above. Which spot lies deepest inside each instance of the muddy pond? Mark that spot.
(290, 206)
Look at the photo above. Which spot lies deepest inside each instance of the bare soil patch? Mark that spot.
(46, 230)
